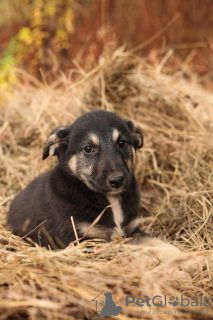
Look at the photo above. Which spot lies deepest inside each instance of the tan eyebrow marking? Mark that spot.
(94, 139)
(115, 135)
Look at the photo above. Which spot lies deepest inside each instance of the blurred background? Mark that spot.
(50, 39)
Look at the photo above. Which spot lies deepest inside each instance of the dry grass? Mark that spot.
(175, 172)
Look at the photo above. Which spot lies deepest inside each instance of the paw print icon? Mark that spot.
(174, 301)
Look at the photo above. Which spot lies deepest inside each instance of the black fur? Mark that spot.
(53, 197)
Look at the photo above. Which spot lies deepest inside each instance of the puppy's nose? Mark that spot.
(116, 182)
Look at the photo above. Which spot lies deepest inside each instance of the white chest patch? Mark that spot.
(117, 212)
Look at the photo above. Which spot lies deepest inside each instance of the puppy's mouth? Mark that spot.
(106, 189)
(115, 192)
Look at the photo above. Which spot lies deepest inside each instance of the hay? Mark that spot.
(175, 173)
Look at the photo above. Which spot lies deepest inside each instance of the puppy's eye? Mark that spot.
(88, 149)
(122, 144)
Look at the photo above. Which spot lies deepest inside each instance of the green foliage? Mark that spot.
(7, 63)
(45, 32)
(48, 27)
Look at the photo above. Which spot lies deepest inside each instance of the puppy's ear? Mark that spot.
(137, 134)
(58, 138)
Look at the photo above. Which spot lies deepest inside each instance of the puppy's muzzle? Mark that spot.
(116, 182)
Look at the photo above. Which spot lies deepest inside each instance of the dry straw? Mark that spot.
(175, 174)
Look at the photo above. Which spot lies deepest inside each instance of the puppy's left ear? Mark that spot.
(58, 140)
(137, 134)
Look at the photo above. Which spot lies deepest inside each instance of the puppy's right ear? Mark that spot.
(58, 138)
(137, 134)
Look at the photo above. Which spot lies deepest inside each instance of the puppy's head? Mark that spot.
(98, 149)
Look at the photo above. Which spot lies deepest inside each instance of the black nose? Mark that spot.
(116, 182)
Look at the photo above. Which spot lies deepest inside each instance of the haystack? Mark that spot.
(175, 174)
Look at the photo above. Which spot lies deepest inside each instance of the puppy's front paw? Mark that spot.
(196, 262)
(159, 262)
(174, 266)
(160, 249)
(145, 261)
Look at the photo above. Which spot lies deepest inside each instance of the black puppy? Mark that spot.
(96, 161)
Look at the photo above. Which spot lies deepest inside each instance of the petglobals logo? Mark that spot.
(105, 305)
(159, 301)
(163, 301)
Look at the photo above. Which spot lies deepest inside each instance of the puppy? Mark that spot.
(96, 169)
